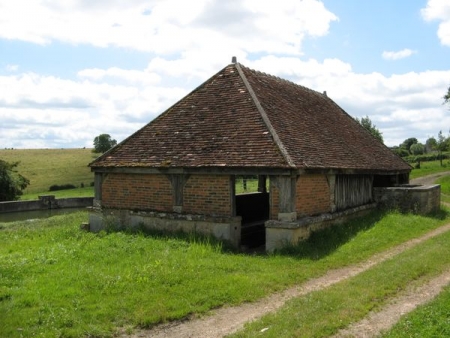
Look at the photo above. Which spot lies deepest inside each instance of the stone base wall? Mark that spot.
(419, 199)
(280, 234)
(44, 203)
(224, 228)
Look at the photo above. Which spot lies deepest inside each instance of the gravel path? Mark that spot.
(228, 320)
(377, 322)
(430, 179)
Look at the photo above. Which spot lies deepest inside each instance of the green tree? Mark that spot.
(441, 145)
(430, 144)
(400, 151)
(417, 149)
(408, 143)
(367, 124)
(11, 182)
(103, 143)
(447, 96)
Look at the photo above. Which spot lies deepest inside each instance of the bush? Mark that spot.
(56, 187)
(426, 157)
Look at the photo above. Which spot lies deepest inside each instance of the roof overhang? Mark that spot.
(244, 171)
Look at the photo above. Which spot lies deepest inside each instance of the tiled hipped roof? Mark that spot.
(241, 118)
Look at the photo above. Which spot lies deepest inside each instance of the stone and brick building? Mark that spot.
(178, 172)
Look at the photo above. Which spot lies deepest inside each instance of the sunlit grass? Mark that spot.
(56, 280)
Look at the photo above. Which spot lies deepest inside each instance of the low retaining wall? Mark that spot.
(418, 199)
(46, 202)
(223, 228)
(279, 234)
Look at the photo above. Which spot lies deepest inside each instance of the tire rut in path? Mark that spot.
(378, 321)
(227, 320)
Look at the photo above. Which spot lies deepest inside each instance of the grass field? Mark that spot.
(56, 280)
(46, 167)
(429, 168)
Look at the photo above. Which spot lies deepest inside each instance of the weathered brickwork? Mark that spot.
(208, 194)
(137, 192)
(313, 195)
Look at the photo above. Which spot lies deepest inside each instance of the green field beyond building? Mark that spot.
(47, 167)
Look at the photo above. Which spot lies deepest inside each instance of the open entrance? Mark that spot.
(252, 204)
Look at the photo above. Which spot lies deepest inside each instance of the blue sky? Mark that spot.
(73, 69)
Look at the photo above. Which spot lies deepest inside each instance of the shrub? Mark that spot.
(56, 187)
(426, 157)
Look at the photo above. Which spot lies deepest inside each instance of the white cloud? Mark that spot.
(39, 110)
(45, 111)
(154, 26)
(404, 53)
(439, 10)
(187, 46)
(114, 73)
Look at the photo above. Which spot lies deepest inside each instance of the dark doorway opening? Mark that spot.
(253, 206)
(254, 210)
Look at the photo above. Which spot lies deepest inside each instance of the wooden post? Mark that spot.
(98, 182)
(286, 187)
(178, 181)
(332, 185)
(262, 183)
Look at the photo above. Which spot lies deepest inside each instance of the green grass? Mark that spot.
(251, 185)
(430, 320)
(56, 280)
(46, 167)
(429, 168)
(445, 188)
(323, 313)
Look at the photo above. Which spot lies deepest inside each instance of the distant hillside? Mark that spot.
(46, 167)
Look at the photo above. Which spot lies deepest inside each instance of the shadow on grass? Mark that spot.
(324, 242)
(186, 237)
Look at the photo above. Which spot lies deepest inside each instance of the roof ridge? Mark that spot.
(265, 118)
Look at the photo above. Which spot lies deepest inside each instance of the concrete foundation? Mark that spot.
(44, 203)
(418, 199)
(280, 233)
(224, 228)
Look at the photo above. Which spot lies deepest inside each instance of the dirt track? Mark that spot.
(430, 179)
(227, 320)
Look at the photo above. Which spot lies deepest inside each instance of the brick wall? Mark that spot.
(207, 194)
(137, 192)
(313, 195)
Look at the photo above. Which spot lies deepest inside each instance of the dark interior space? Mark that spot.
(254, 209)
(390, 180)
